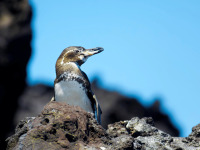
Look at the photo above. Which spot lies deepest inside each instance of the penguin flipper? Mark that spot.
(97, 108)
(94, 102)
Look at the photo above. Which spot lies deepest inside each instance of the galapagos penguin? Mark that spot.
(72, 84)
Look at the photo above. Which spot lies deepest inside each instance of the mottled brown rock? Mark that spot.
(61, 127)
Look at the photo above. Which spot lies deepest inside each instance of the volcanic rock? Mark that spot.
(61, 126)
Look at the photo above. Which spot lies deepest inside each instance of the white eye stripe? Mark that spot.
(69, 51)
(77, 51)
(62, 60)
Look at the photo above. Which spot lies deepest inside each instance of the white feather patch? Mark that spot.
(72, 93)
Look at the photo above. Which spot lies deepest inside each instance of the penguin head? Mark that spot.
(77, 54)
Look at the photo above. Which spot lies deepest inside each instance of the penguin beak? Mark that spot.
(92, 51)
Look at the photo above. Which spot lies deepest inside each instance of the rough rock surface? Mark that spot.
(15, 50)
(60, 127)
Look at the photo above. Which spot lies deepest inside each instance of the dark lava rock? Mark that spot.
(60, 126)
(15, 50)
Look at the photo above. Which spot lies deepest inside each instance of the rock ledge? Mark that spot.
(60, 127)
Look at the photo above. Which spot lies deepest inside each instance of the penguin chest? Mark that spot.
(73, 93)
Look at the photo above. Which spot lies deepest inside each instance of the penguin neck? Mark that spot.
(68, 67)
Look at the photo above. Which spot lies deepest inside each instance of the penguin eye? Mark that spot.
(77, 51)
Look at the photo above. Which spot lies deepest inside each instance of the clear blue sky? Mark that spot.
(152, 48)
